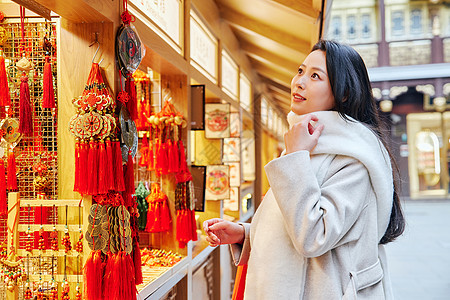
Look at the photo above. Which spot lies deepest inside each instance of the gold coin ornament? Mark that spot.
(4, 36)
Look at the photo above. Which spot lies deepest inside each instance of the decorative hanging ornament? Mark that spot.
(5, 99)
(48, 95)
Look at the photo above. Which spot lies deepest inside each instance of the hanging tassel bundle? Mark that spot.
(76, 186)
(5, 99)
(130, 88)
(12, 177)
(118, 169)
(110, 165)
(102, 169)
(25, 110)
(143, 160)
(93, 275)
(92, 177)
(48, 95)
(83, 170)
(3, 199)
(158, 215)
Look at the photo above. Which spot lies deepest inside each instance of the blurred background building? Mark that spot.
(406, 46)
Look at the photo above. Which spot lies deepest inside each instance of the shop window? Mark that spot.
(416, 21)
(351, 27)
(398, 23)
(365, 20)
(336, 27)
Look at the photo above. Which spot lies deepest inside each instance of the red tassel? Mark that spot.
(129, 175)
(93, 276)
(118, 169)
(83, 168)
(165, 216)
(170, 163)
(25, 110)
(111, 277)
(150, 215)
(3, 199)
(92, 165)
(76, 185)
(109, 166)
(138, 279)
(175, 157)
(130, 88)
(102, 169)
(48, 95)
(12, 178)
(150, 157)
(5, 99)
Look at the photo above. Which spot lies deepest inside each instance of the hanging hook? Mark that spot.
(98, 47)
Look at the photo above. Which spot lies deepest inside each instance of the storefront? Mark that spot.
(179, 114)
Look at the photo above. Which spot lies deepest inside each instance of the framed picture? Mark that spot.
(207, 151)
(198, 107)
(235, 173)
(217, 120)
(231, 149)
(217, 182)
(199, 179)
(235, 124)
(232, 204)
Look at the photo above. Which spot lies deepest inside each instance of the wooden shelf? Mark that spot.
(48, 227)
(48, 253)
(57, 203)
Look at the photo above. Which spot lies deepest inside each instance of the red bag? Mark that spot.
(239, 283)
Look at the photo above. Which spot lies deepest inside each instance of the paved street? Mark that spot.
(419, 261)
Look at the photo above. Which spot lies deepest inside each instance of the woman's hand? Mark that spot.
(303, 135)
(221, 232)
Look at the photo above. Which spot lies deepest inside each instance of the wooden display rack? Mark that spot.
(14, 205)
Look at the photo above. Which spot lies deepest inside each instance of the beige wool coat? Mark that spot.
(316, 233)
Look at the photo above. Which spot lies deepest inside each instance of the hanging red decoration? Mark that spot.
(92, 126)
(48, 95)
(3, 199)
(130, 88)
(25, 110)
(158, 215)
(5, 99)
(12, 177)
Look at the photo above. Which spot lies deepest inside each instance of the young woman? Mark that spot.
(333, 201)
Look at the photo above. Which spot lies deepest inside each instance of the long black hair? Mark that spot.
(353, 97)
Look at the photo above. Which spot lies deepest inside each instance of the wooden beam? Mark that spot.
(304, 7)
(85, 11)
(255, 51)
(277, 77)
(284, 87)
(246, 24)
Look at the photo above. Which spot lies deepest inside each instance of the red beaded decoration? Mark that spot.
(29, 243)
(53, 293)
(65, 292)
(66, 240)
(40, 294)
(78, 294)
(41, 242)
(79, 244)
(54, 239)
(27, 295)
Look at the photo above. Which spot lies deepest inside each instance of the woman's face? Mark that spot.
(310, 87)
